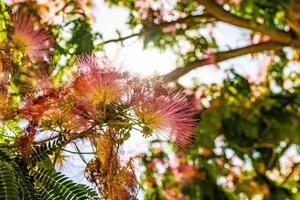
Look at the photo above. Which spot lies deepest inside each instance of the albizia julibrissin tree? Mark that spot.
(93, 101)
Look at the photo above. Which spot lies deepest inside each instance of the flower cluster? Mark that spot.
(101, 103)
(100, 88)
(109, 103)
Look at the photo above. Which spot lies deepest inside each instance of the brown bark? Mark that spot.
(216, 10)
(221, 56)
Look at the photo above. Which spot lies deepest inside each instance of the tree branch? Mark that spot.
(161, 25)
(187, 19)
(219, 57)
(121, 39)
(293, 24)
(276, 35)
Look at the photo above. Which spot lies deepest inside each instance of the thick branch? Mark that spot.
(187, 19)
(293, 24)
(221, 56)
(216, 10)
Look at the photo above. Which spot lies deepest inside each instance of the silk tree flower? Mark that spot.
(44, 98)
(31, 39)
(98, 84)
(165, 113)
(67, 120)
(35, 106)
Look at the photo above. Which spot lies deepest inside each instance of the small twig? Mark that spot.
(46, 140)
(57, 152)
(121, 39)
(272, 158)
(75, 152)
(287, 146)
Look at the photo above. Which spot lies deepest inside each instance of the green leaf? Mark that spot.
(8, 185)
(42, 152)
(54, 184)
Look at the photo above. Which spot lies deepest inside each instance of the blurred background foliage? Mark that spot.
(241, 139)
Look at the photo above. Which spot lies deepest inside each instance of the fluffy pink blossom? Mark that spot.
(31, 39)
(35, 106)
(98, 84)
(68, 120)
(165, 112)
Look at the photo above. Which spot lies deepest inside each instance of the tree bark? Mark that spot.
(219, 57)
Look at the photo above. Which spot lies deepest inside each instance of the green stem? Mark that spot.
(74, 152)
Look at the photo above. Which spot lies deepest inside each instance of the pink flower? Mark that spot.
(36, 106)
(98, 84)
(68, 120)
(30, 39)
(165, 112)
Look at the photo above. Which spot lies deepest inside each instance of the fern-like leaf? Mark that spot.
(43, 151)
(45, 194)
(8, 185)
(21, 176)
(24, 181)
(58, 184)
